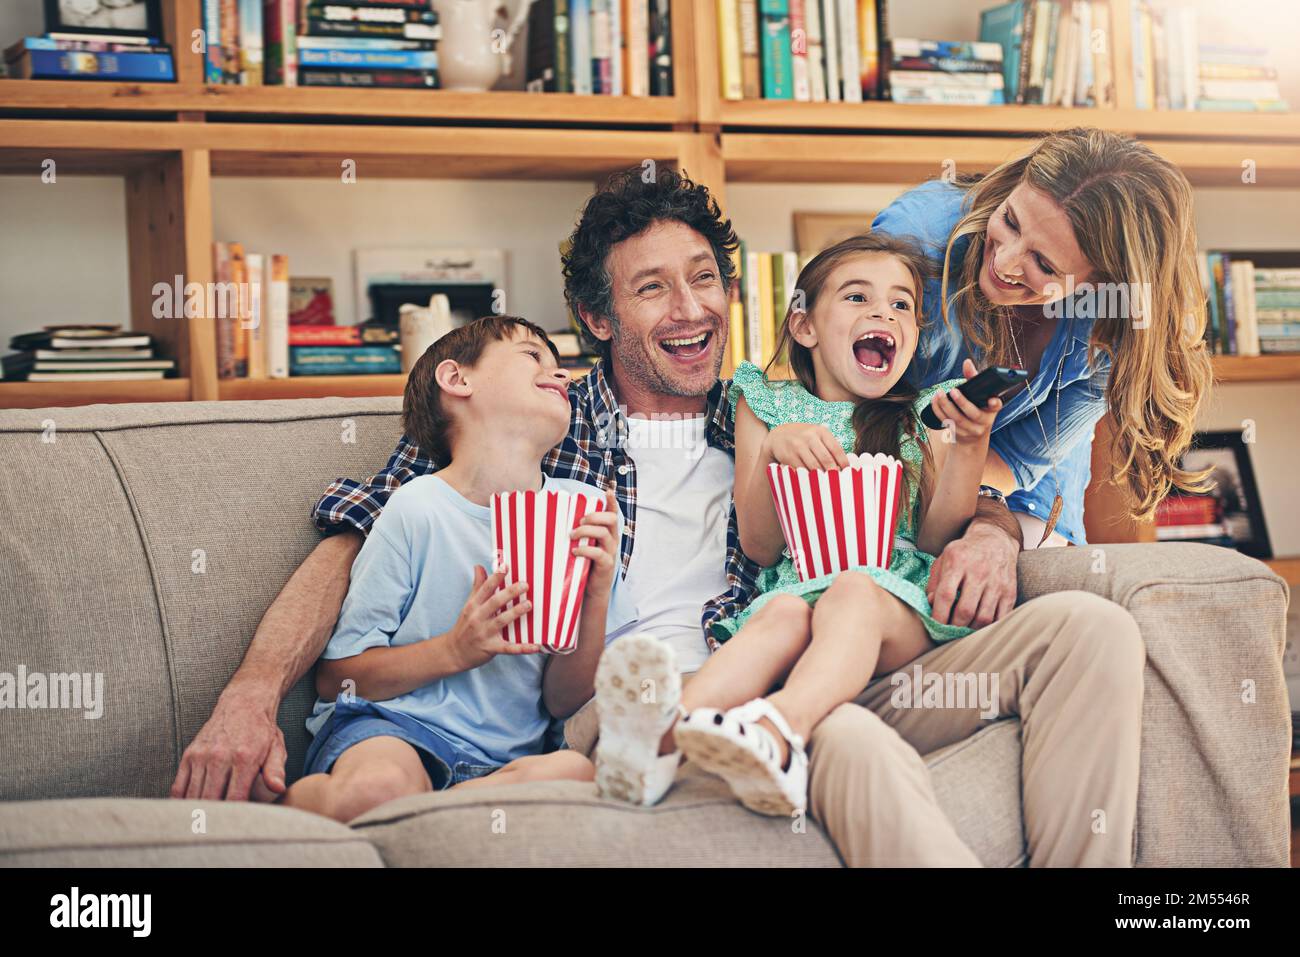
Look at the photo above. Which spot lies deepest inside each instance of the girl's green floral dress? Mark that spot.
(780, 403)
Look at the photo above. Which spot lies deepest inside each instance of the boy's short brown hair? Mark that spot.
(424, 420)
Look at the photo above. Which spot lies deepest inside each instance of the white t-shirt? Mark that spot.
(683, 499)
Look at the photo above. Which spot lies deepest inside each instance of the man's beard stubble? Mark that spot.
(639, 366)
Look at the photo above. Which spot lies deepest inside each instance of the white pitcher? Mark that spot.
(473, 52)
(422, 326)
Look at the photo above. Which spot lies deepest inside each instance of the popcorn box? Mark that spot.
(530, 532)
(835, 519)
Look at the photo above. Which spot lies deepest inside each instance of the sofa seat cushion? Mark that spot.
(699, 822)
(131, 832)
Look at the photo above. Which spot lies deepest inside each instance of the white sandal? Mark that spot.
(629, 766)
(734, 746)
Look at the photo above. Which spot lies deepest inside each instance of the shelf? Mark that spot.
(62, 96)
(319, 386)
(1288, 568)
(1274, 368)
(1034, 120)
(40, 395)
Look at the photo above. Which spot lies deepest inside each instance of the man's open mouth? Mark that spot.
(687, 347)
(874, 351)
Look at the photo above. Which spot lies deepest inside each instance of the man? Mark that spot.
(648, 273)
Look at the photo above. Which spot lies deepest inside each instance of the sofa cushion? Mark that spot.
(122, 832)
(699, 822)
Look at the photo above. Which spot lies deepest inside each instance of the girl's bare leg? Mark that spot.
(563, 765)
(756, 658)
(858, 630)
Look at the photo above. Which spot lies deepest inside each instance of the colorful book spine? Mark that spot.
(774, 24)
(638, 47)
(850, 52)
(869, 48)
(343, 360)
(751, 67)
(1004, 26)
(378, 79)
(754, 305)
(661, 44)
(213, 61)
(90, 65)
(369, 59)
(736, 311)
(281, 57)
(1103, 67)
(617, 49)
(580, 45)
(225, 319)
(256, 326)
(801, 82)
(251, 52)
(816, 50)
(831, 40)
(601, 51)
(766, 312)
(241, 318)
(563, 48)
(230, 40)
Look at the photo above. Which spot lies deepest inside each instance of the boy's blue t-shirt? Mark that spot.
(410, 582)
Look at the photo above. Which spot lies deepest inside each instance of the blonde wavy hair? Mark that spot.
(1132, 216)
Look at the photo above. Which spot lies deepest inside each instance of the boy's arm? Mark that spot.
(761, 538)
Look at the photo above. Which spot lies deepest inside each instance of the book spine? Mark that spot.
(317, 27)
(371, 43)
(389, 79)
(943, 96)
(831, 40)
(580, 45)
(277, 319)
(736, 309)
(801, 82)
(767, 307)
(563, 48)
(869, 49)
(89, 65)
(239, 276)
(250, 43)
(370, 59)
(256, 264)
(956, 81)
(638, 48)
(224, 317)
(777, 65)
(371, 13)
(729, 53)
(1055, 24)
(816, 50)
(754, 306)
(324, 336)
(661, 64)
(617, 49)
(751, 68)
(1027, 30)
(212, 51)
(281, 58)
(540, 71)
(1085, 82)
(601, 78)
(850, 52)
(346, 360)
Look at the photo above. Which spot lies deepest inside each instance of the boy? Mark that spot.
(418, 691)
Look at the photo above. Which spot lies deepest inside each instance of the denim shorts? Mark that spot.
(356, 719)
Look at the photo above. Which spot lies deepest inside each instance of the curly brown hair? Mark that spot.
(424, 420)
(626, 205)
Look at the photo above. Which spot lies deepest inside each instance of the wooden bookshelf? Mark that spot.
(40, 395)
(1288, 568)
(1272, 368)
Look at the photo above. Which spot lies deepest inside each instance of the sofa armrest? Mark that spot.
(1216, 728)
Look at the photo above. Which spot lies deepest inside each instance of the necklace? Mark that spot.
(1054, 446)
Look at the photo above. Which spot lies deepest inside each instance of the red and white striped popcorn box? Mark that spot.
(530, 532)
(834, 519)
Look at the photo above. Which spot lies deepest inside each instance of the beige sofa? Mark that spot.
(144, 542)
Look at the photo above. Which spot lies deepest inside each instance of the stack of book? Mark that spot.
(765, 283)
(368, 349)
(944, 71)
(613, 47)
(1054, 52)
(1192, 518)
(1253, 309)
(1173, 70)
(809, 50)
(250, 304)
(82, 56)
(84, 353)
(314, 43)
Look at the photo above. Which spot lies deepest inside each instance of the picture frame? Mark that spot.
(1234, 478)
(814, 231)
(128, 18)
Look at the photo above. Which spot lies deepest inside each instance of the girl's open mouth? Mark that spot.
(874, 352)
(687, 347)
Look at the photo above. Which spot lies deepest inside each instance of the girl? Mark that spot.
(825, 638)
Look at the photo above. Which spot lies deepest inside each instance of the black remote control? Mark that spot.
(1000, 381)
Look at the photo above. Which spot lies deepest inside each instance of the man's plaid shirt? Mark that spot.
(593, 452)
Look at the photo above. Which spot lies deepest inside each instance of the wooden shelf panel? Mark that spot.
(40, 395)
(311, 386)
(1274, 368)
(785, 114)
(505, 106)
(1288, 568)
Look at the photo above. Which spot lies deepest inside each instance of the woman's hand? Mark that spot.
(969, 423)
(801, 444)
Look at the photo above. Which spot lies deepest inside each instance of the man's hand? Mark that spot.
(981, 565)
(238, 752)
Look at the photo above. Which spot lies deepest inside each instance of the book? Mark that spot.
(850, 51)
(256, 327)
(277, 318)
(661, 45)
(94, 376)
(539, 72)
(637, 22)
(563, 48)
(816, 50)
(831, 41)
(228, 13)
(367, 43)
(751, 280)
(344, 59)
(778, 66)
(280, 62)
(869, 33)
(398, 79)
(250, 42)
(801, 82)
(344, 360)
(602, 75)
(92, 65)
(729, 56)
(580, 45)
(1004, 25)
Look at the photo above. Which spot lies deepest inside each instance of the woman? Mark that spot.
(1078, 263)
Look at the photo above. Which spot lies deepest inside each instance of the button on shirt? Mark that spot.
(928, 213)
